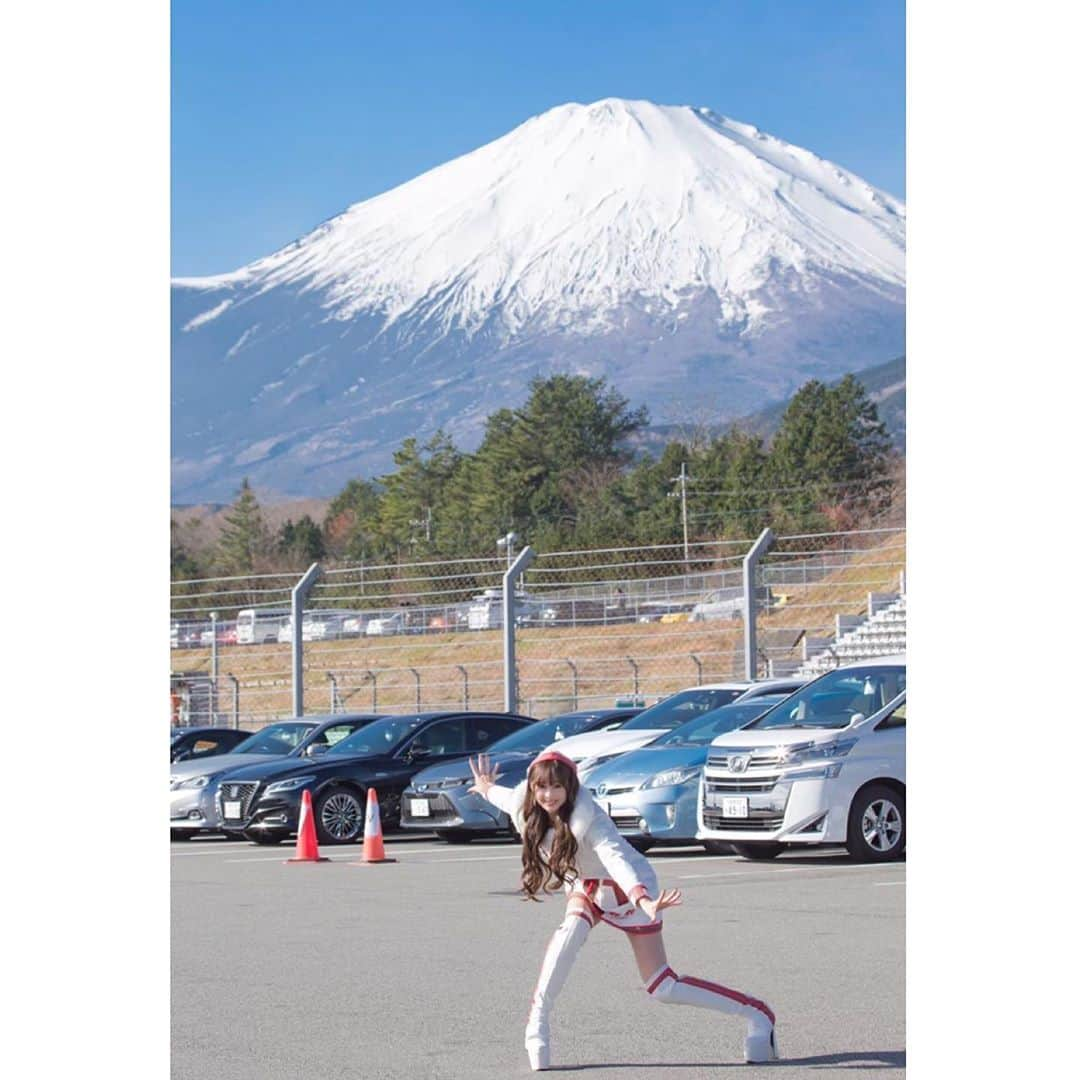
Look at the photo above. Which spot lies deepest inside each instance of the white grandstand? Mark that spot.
(882, 632)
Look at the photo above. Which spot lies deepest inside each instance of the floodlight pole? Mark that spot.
(519, 566)
(299, 595)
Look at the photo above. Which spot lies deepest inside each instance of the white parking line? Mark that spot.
(742, 873)
(831, 868)
(890, 882)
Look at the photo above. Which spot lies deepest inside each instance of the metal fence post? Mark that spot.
(761, 545)
(235, 700)
(520, 564)
(213, 668)
(633, 664)
(416, 676)
(334, 699)
(574, 677)
(299, 595)
(374, 677)
(700, 680)
(465, 680)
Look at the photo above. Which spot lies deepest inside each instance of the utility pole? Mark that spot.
(681, 481)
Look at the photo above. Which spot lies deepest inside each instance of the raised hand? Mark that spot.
(484, 776)
(667, 898)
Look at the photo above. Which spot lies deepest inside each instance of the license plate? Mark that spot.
(736, 807)
(419, 808)
(230, 809)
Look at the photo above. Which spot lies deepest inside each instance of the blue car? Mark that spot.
(438, 799)
(651, 793)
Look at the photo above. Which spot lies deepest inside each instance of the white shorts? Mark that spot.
(608, 903)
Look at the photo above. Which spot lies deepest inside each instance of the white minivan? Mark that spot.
(827, 765)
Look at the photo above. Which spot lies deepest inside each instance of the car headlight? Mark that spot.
(194, 782)
(291, 784)
(804, 753)
(673, 777)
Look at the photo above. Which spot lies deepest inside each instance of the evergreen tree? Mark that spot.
(413, 494)
(243, 541)
(350, 527)
(301, 544)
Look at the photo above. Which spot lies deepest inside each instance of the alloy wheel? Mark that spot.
(882, 825)
(342, 816)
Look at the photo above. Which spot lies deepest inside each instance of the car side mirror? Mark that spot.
(418, 752)
(858, 718)
(315, 749)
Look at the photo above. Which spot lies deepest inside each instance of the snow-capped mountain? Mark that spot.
(693, 260)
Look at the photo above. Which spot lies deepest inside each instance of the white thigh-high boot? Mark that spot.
(558, 960)
(671, 989)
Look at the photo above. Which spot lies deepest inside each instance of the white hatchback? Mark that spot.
(825, 766)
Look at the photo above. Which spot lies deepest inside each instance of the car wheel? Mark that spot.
(876, 824)
(261, 836)
(640, 845)
(455, 836)
(180, 834)
(717, 847)
(339, 816)
(758, 851)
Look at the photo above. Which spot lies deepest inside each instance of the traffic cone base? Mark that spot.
(373, 841)
(307, 843)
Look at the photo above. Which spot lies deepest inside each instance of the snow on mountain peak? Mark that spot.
(587, 207)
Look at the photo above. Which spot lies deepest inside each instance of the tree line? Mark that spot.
(561, 472)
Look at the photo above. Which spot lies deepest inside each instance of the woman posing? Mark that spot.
(568, 840)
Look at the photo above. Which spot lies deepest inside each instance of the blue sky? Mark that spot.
(284, 114)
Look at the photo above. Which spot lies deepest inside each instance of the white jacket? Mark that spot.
(602, 853)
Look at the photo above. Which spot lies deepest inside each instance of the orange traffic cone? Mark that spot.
(373, 845)
(307, 844)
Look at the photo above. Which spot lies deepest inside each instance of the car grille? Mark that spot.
(442, 810)
(243, 793)
(714, 819)
(626, 820)
(764, 758)
(622, 789)
(740, 785)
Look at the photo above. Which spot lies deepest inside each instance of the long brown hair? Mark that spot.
(539, 873)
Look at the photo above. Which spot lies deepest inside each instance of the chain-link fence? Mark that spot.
(589, 627)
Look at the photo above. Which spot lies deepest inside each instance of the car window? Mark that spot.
(334, 734)
(485, 730)
(441, 738)
(720, 721)
(836, 698)
(275, 739)
(205, 746)
(677, 709)
(378, 737)
(896, 719)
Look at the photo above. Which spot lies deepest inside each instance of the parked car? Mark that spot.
(651, 793)
(437, 798)
(203, 742)
(262, 802)
(825, 766)
(728, 604)
(485, 611)
(192, 784)
(592, 749)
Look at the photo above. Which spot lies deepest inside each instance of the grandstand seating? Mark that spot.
(881, 633)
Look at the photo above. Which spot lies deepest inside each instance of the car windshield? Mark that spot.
(379, 737)
(720, 721)
(275, 739)
(677, 709)
(534, 737)
(836, 698)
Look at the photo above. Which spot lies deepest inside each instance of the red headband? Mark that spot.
(554, 755)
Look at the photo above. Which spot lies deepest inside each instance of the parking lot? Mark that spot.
(423, 968)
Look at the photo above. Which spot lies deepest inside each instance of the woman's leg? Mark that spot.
(665, 986)
(563, 948)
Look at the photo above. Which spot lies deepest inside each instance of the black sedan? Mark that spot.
(262, 801)
(186, 743)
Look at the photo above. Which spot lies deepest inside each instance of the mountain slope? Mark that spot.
(666, 248)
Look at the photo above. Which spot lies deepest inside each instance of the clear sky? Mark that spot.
(283, 114)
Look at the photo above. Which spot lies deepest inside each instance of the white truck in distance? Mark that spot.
(825, 766)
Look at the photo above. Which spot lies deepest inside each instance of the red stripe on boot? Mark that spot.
(667, 973)
(735, 995)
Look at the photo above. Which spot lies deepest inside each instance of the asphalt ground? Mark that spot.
(423, 968)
